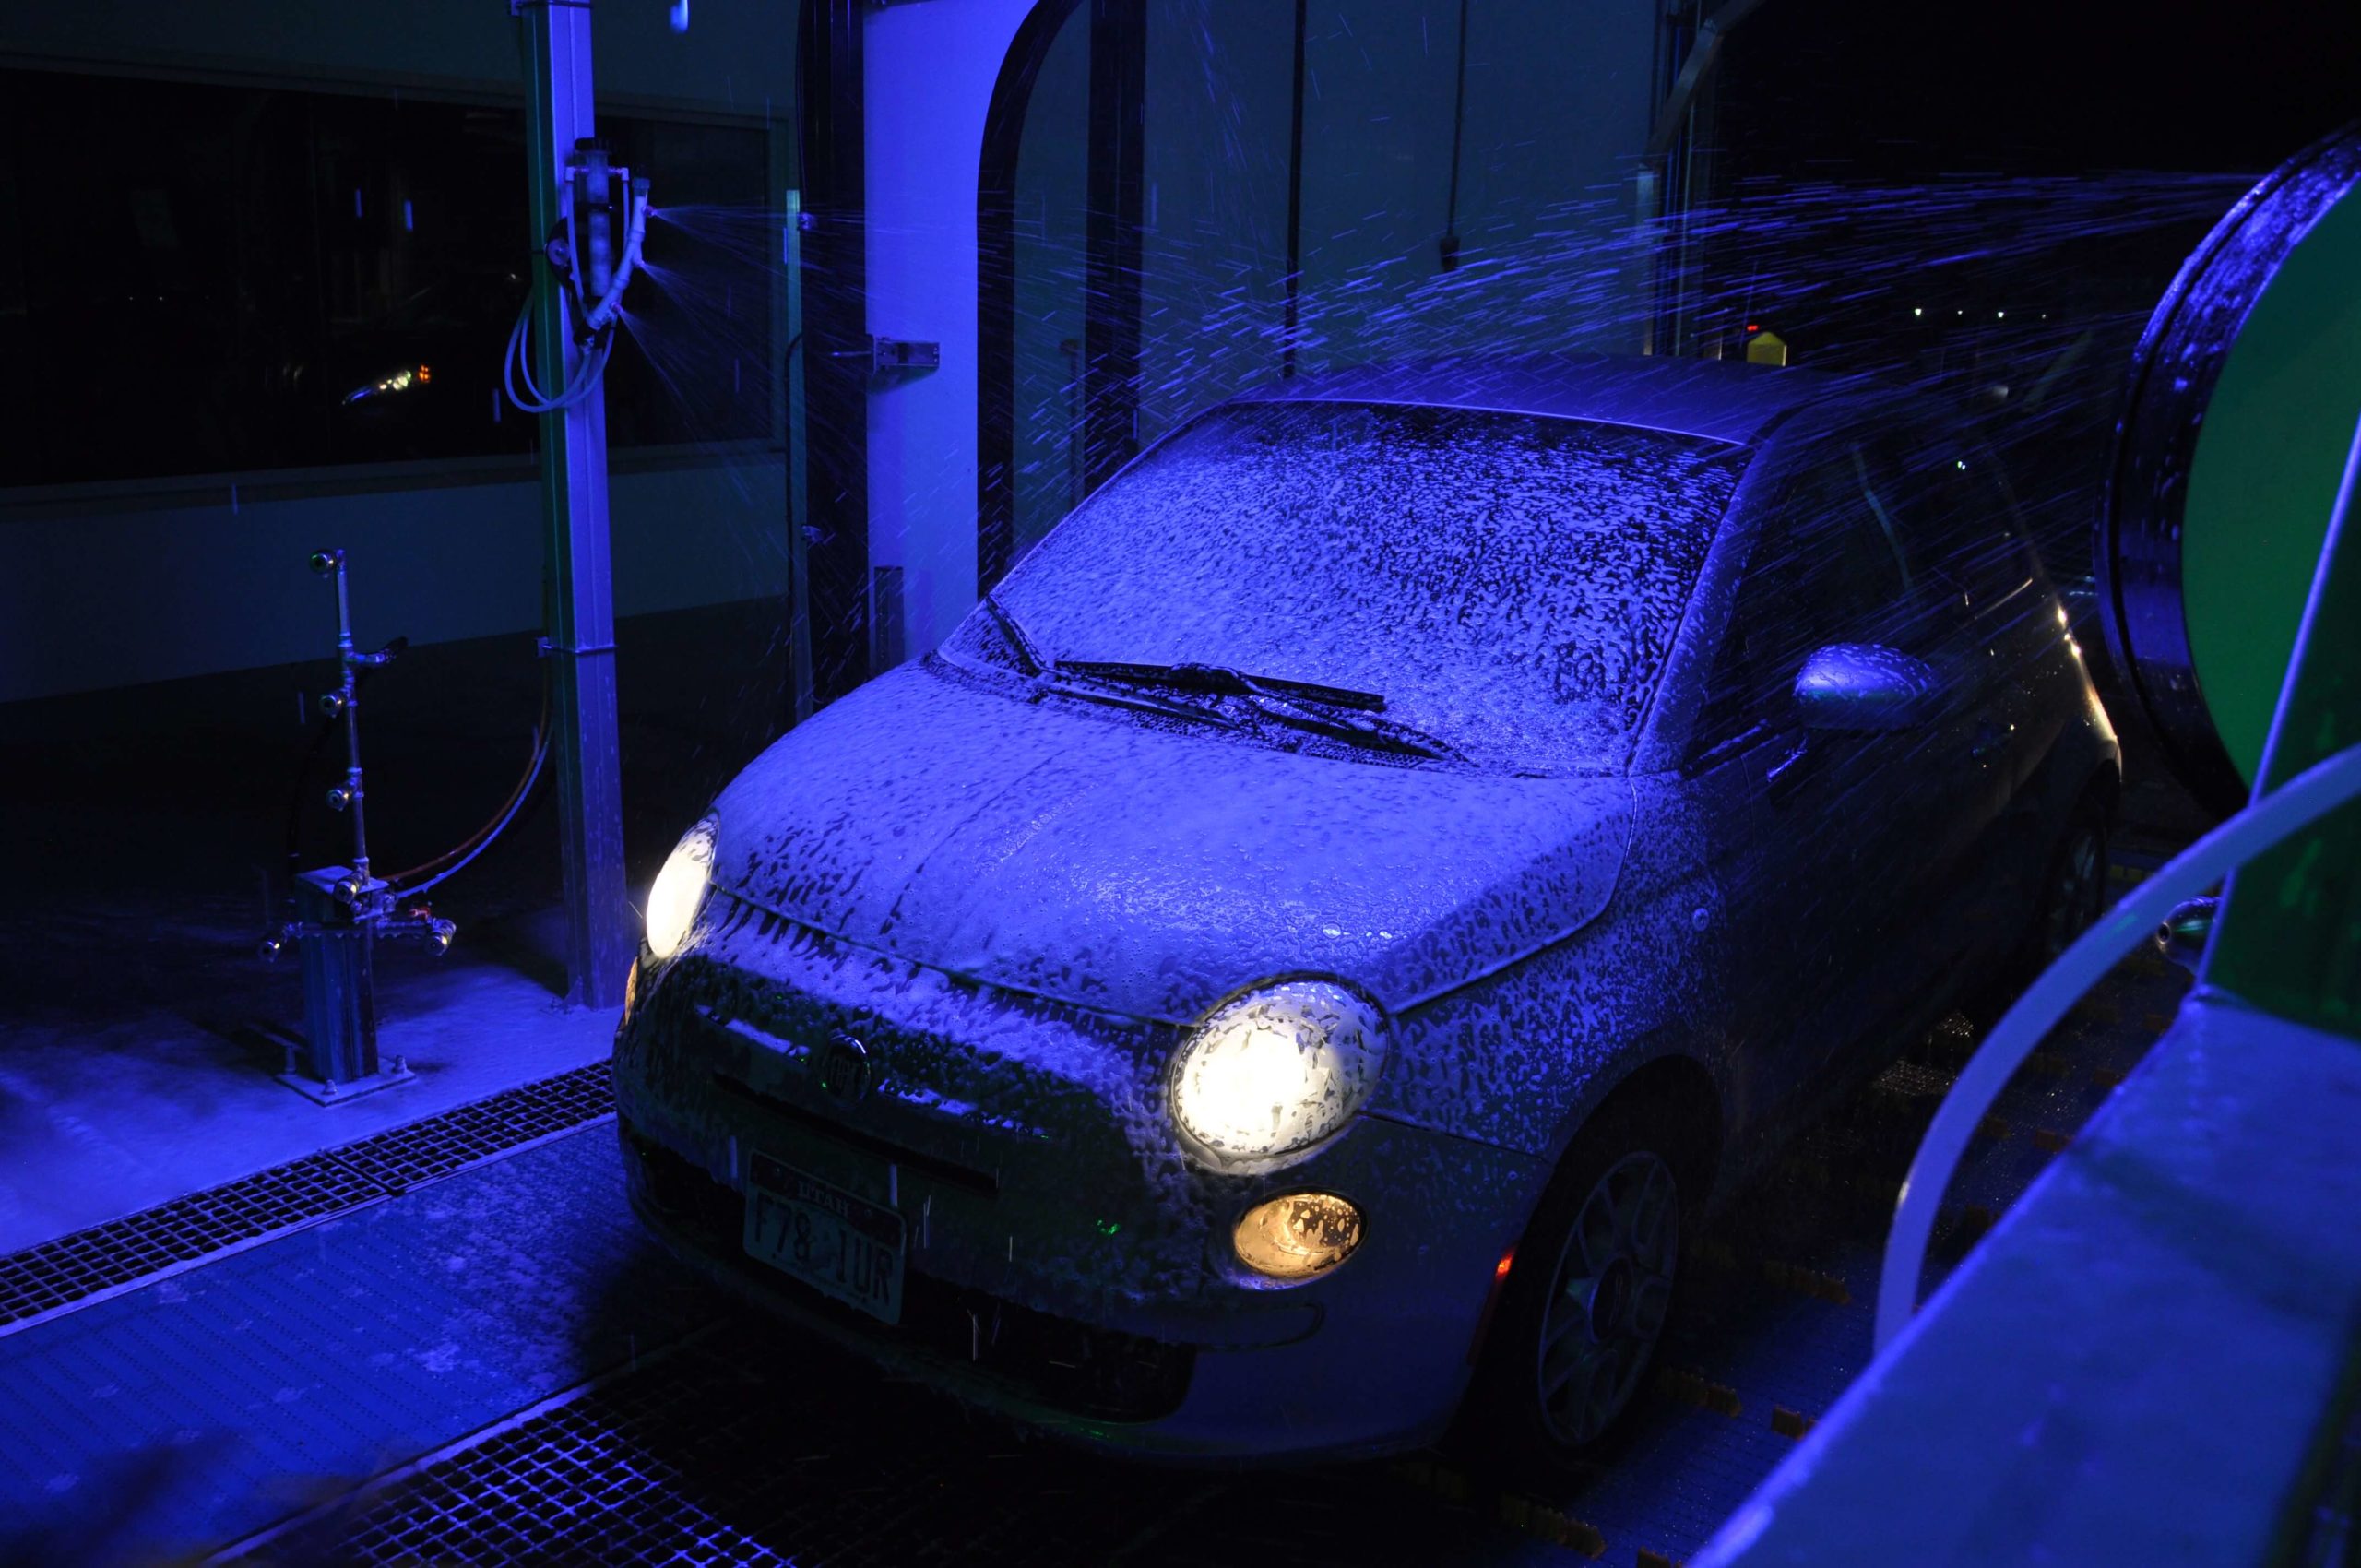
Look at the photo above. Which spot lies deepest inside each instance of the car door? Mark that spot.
(1987, 620)
(1814, 833)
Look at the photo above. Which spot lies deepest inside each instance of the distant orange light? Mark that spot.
(1501, 1271)
(425, 375)
(1750, 326)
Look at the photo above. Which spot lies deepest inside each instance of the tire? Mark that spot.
(1578, 1324)
(2073, 885)
(2065, 902)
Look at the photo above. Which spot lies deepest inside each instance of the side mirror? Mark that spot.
(1860, 688)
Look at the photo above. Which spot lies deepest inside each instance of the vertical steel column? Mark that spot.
(577, 574)
(833, 276)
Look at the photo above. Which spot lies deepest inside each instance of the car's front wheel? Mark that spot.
(1589, 1290)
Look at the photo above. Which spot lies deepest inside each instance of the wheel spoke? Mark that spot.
(1655, 1203)
(1573, 1311)
(1605, 1394)
(1648, 1308)
(1557, 1370)
(1595, 1228)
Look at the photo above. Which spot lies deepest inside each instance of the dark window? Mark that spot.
(1958, 517)
(196, 279)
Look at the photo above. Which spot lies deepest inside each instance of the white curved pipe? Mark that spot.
(2309, 796)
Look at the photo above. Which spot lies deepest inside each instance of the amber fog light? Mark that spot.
(1298, 1236)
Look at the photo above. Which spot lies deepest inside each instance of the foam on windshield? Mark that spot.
(1512, 584)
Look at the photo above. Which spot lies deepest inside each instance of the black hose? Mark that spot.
(467, 848)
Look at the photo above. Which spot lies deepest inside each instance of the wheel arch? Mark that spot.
(1682, 1090)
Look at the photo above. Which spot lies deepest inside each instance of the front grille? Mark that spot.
(1057, 1361)
(949, 1173)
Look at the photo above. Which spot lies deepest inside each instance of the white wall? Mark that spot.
(95, 595)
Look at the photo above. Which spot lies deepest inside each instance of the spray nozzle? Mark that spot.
(593, 253)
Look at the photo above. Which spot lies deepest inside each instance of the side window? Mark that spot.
(1957, 517)
(1826, 568)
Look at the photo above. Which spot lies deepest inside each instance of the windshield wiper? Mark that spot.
(1278, 699)
(1367, 730)
(1035, 661)
(1272, 696)
(1050, 674)
(1222, 680)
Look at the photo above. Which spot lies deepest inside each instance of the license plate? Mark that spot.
(840, 1245)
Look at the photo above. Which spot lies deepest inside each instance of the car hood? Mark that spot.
(1078, 853)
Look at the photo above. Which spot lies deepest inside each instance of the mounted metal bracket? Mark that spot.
(892, 355)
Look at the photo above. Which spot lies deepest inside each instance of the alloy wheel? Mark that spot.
(1608, 1302)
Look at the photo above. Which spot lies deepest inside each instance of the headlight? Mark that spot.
(1276, 1073)
(680, 889)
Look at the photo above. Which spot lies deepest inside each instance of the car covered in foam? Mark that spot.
(1285, 971)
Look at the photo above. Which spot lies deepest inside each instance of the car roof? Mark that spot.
(1718, 399)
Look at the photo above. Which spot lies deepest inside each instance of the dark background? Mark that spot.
(2037, 87)
(194, 277)
(1991, 197)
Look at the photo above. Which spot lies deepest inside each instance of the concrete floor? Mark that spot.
(104, 1117)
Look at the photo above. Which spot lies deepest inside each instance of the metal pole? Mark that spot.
(349, 690)
(832, 268)
(578, 579)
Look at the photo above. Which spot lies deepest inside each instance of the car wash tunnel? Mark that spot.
(1131, 782)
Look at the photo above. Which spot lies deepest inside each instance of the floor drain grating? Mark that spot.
(75, 1268)
(707, 1455)
(435, 1147)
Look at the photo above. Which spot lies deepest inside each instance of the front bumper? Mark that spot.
(1065, 1265)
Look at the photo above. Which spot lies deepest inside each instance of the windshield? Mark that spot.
(1511, 584)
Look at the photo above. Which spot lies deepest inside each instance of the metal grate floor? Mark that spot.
(749, 1445)
(736, 1450)
(94, 1262)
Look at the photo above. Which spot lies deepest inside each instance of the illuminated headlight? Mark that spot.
(1276, 1074)
(680, 888)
